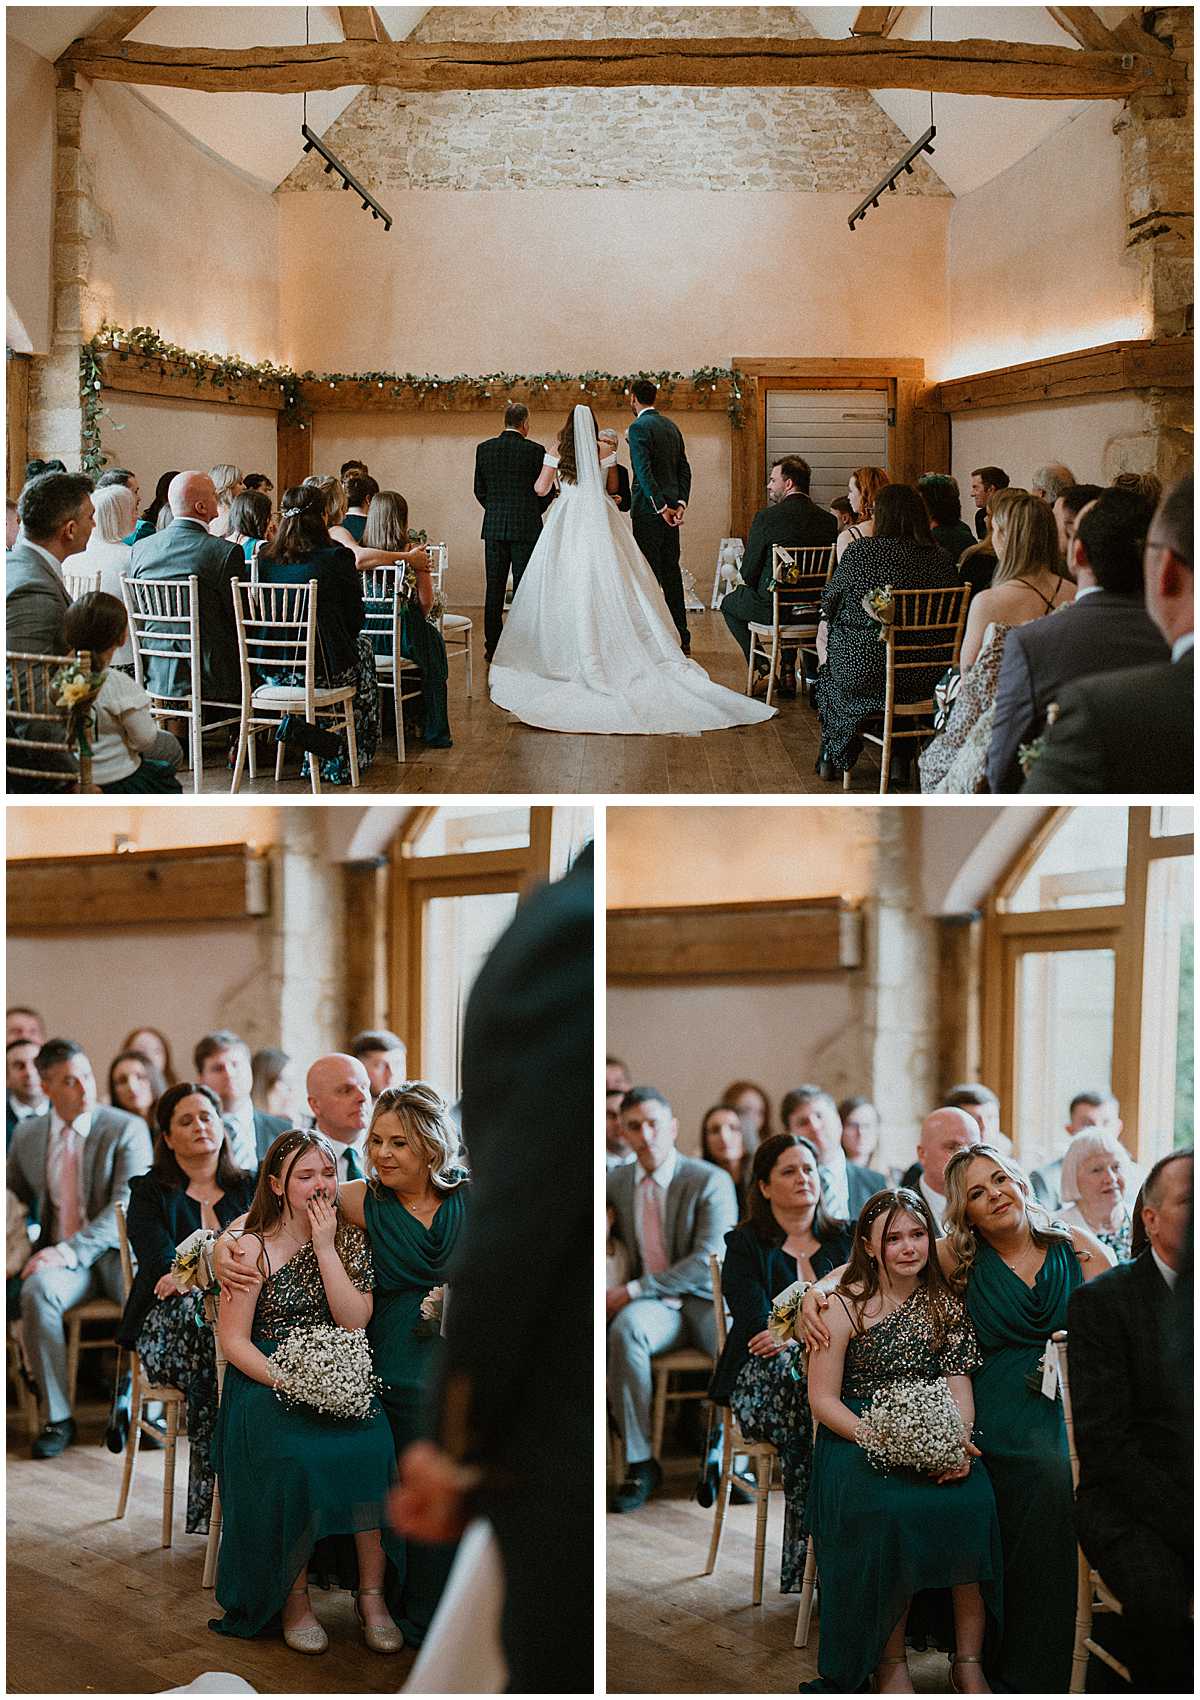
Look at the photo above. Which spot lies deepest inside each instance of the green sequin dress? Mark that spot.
(290, 1477)
(880, 1539)
(410, 1260)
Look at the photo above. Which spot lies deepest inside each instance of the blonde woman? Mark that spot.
(333, 494)
(863, 486)
(1025, 586)
(227, 482)
(421, 638)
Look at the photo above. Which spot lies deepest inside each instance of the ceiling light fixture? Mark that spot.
(314, 144)
(923, 144)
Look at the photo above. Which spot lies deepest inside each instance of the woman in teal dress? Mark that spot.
(881, 1538)
(414, 1209)
(290, 1476)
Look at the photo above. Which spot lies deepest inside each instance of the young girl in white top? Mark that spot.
(129, 751)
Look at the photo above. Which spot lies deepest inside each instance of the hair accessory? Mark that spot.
(291, 513)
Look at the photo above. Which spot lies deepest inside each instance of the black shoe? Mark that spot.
(706, 1491)
(641, 1482)
(787, 682)
(54, 1438)
(826, 769)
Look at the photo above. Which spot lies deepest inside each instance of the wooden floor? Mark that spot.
(493, 752)
(100, 1607)
(672, 1630)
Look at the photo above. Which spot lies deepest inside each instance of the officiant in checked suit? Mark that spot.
(671, 1212)
(506, 469)
(662, 484)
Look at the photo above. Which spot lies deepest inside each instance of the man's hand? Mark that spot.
(48, 1258)
(615, 1299)
(427, 1504)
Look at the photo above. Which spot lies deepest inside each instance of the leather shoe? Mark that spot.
(636, 1489)
(826, 769)
(54, 1438)
(710, 1481)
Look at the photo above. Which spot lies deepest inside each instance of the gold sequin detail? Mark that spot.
(294, 1297)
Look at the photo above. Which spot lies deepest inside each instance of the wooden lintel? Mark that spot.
(360, 23)
(138, 374)
(789, 937)
(1011, 70)
(876, 20)
(1082, 25)
(1109, 369)
(294, 452)
(222, 882)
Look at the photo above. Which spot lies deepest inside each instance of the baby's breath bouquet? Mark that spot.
(913, 1425)
(327, 1369)
(880, 603)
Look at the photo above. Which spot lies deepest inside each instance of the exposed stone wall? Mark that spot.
(799, 139)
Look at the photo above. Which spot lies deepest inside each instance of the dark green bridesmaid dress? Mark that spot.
(1024, 1444)
(410, 1260)
(881, 1539)
(288, 1478)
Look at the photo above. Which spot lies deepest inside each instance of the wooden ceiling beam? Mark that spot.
(117, 23)
(876, 20)
(361, 23)
(1083, 25)
(1009, 70)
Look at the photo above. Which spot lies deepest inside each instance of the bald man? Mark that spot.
(943, 1132)
(185, 549)
(339, 1096)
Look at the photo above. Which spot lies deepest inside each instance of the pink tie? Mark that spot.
(70, 1215)
(654, 1246)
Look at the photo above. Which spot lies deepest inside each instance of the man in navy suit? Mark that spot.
(23, 1084)
(74, 1164)
(662, 487)
(506, 469)
(845, 1187)
(223, 1065)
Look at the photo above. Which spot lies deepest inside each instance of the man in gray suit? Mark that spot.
(187, 549)
(222, 1063)
(75, 1164)
(56, 517)
(1106, 628)
(671, 1212)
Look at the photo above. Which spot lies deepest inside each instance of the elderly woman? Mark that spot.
(107, 553)
(1096, 1177)
(193, 1183)
(785, 1236)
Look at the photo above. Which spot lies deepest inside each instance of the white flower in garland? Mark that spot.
(327, 1369)
(913, 1425)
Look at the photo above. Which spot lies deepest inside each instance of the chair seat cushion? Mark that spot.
(457, 623)
(292, 696)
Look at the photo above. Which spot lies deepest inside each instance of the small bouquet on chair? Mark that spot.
(326, 1369)
(913, 1425)
(880, 603)
(192, 1267)
(785, 1312)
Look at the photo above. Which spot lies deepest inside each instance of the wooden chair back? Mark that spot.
(924, 637)
(125, 1254)
(810, 561)
(35, 723)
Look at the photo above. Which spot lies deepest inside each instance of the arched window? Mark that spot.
(1089, 976)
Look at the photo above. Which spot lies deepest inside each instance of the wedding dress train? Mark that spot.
(588, 645)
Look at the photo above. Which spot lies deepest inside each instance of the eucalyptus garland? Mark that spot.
(220, 371)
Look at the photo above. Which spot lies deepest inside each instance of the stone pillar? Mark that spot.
(309, 945)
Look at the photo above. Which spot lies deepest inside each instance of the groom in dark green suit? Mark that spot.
(662, 483)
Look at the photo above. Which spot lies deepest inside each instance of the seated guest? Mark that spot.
(23, 1023)
(276, 1091)
(223, 1067)
(753, 1108)
(1129, 1336)
(351, 468)
(784, 1236)
(24, 1084)
(1068, 505)
(130, 751)
(949, 530)
(942, 1134)
(384, 1055)
(851, 683)
(977, 565)
(258, 481)
(1086, 1110)
(860, 1129)
(1049, 481)
(302, 549)
(1132, 731)
(135, 1085)
(862, 489)
(790, 518)
(618, 1265)
(1147, 486)
(56, 522)
(74, 1165)
(1024, 586)
(193, 1183)
(339, 1096)
(107, 553)
(617, 478)
(723, 1144)
(1097, 1190)
(251, 522)
(333, 493)
(983, 1107)
(227, 482)
(671, 1212)
(154, 1045)
(845, 1187)
(985, 482)
(616, 1075)
(12, 523)
(1105, 629)
(421, 641)
(616, 1148)
(360, 492)
(842, 511)
(35, 468)
(187, 549)
(149, 522)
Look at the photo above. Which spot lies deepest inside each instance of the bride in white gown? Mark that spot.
(588, 645)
